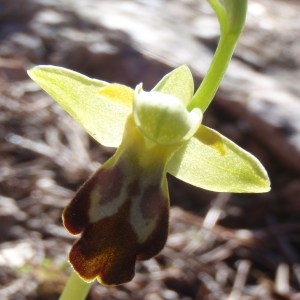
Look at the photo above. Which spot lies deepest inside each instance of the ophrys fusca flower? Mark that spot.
(122, 211)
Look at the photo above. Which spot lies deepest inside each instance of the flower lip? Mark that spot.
(163, 118)
(122, 212)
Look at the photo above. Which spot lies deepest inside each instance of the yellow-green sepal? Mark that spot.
(178, 83)
(101, 108)
(211, 161)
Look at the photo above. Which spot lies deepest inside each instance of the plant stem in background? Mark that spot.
(75, 288)
(231, 16)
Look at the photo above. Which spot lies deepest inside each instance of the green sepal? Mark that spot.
(211, 161)
(101, 108)
(178, 83)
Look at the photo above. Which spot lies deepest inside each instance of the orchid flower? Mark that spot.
(122, 210)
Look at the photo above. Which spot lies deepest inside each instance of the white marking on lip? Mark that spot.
(98, 211)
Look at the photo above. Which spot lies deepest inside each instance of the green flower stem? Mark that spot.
(220, 12)
(231, 17)
(75, 288)
(209, 86)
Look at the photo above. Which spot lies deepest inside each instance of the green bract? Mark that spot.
(206, 159)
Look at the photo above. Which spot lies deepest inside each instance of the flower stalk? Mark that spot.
(231, 16)
(75, 288)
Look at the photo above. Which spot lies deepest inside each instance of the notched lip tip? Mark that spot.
(114, 282)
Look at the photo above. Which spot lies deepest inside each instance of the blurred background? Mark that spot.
(221, 246)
